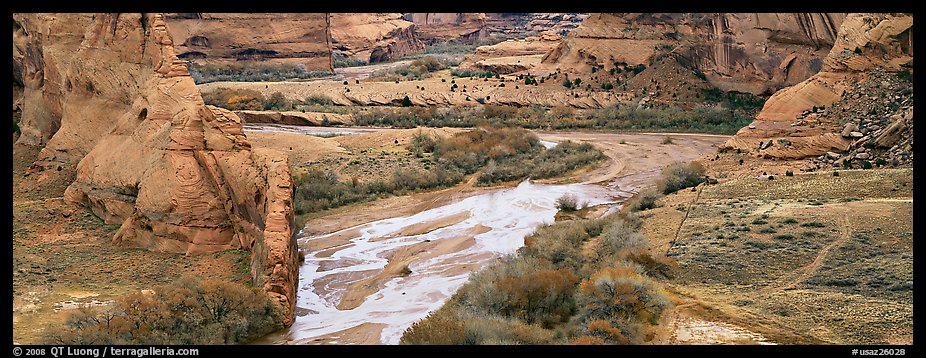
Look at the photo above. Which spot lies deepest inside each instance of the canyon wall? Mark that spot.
(302, 38)
(443, 27)
(373, 37)
(520, 25)
(754, 53)
(107, 92)
(860, 93)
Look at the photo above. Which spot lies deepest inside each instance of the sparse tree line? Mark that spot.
(250, 71)
(617, 117)
(502, 153)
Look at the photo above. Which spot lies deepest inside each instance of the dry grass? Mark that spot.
(811, 258)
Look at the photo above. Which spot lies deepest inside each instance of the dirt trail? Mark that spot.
(808, 271)
(364, 72)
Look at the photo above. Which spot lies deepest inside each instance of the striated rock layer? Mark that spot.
(796, 122)
(443, 27)
(179, 176)
(374, 37)
(295, 118)
(302, 38)
(519, 25)
(754, 53)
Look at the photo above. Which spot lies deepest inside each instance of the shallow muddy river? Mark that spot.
(309, 130)
(484, 227)
(367, 283)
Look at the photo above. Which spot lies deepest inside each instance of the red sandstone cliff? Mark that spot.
(106, 91)
(274, 38)
(373, 37)
(755, 53)
(801, 115)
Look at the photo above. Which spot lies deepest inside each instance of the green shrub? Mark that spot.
(813, 224)
(567, 202)
(421, 143)
(340, 61)
(680, 175)
(645, 200)
(318, 99)
(277, 102)
(564, 158)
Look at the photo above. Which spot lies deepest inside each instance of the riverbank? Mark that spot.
(356, 256)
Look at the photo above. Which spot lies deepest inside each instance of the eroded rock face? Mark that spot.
(516, 25)
(179, 176)
(754, 53)
(444, 27)
(301, 38)
(804, 114)
(295, 118)
(373, 37)
(76, 71)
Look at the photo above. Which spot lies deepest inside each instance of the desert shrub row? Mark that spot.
(187, 311)
(245, 71)
(555, 292)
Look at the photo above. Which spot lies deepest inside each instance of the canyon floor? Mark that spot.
(812, 258)
(437, 229)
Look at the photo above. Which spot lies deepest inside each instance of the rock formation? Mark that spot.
(512, 55)
(373, 37)
(107, 90)
(862, 90)
(444, 27)
(754, 53)
(301, 39)
(295, 118)
(519, 25)
(434, 93)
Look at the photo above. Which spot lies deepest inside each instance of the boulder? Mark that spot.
(848, 129)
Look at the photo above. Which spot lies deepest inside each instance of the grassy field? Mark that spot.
(814, 258)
